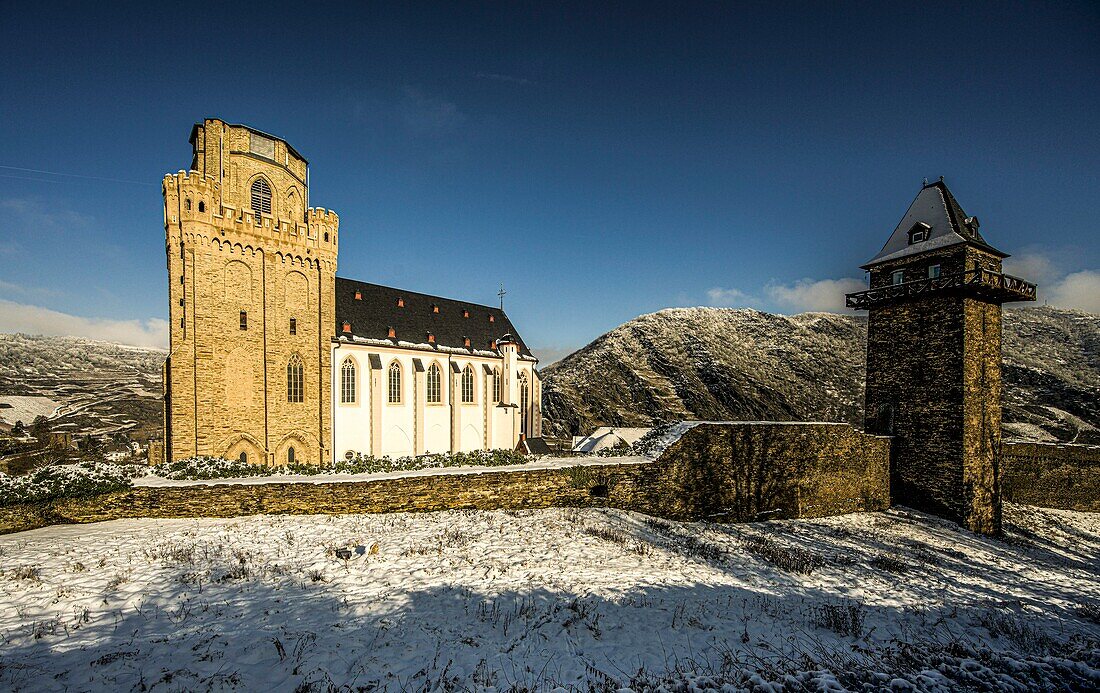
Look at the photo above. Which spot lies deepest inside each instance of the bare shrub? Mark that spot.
(890, 562)
(316, 575)
(792, 559)
(844, 618)
(1089, 612)
(26, 572)
(619, 537)
(1025, 635)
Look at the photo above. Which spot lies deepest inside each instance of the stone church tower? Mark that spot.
(252, 295)
(934, 359)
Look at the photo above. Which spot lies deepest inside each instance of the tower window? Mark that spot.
(919, 232)
(290, 455)
(897, 277)
(202, 206)
(934, 272)
(243, 458)
(496, 385)
(524, 396)
(294, 380)
(434, 388)
(294, 326)
(261, 197)
(244, 319)
(187, 205)
(347, 382)
(326, 236)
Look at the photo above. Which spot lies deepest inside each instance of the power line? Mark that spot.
(69, 175)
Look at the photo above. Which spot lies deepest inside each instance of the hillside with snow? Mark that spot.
(85, 386)
(559, 599)
(741, 364)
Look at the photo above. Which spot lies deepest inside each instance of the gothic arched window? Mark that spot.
(243, 459)
(395, 383)
(290, 455)
(468, 385)
(435, 384)
(261, 197)
(524, 396)
(496, 385)
(347, 382)
(294, 380)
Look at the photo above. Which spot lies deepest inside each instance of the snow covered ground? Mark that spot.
(581, 599)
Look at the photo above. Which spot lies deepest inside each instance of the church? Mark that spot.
(273, 359)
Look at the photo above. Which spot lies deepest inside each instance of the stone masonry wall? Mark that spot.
(724, 472)
(1051, 476)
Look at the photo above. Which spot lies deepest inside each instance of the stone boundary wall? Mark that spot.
(1051, 475)
(724, 472)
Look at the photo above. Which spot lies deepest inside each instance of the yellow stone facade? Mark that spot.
(252, 271)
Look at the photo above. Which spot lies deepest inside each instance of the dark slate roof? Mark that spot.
(536, 446)
(949, 225)
(377, 311)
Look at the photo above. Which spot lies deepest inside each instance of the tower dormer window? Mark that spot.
(261, 197)
(933, 271)
(919, 232)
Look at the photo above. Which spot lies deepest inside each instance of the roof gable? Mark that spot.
(936, 211)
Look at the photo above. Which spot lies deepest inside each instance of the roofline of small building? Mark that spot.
(295, 152)
(963, 241)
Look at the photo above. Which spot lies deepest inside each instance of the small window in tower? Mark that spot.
(294, 326)
(326, 236)
(187, 205)
(934, 272)
(897, 277)
(181, 303)
(919, 232)
(244, 319)
(202, 206)
(261, 197)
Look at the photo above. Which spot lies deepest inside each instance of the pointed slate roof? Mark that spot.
(947, 223)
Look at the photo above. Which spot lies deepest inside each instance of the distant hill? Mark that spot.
(95, 387)
(721, 363)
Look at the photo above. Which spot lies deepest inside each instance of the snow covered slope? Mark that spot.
(97, 387)
(590, 600)
(723, 364)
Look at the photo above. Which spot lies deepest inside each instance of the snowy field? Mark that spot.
(578, 599)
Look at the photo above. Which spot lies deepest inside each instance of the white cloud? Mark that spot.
(21, 317)
(821, 295)
(1079, 290)
(728, 298)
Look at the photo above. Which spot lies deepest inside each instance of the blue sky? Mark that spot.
(601, 160)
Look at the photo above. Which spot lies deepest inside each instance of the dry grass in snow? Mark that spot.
(580, 599)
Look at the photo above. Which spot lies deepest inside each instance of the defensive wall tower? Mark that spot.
(251, 284)
(934, 359)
